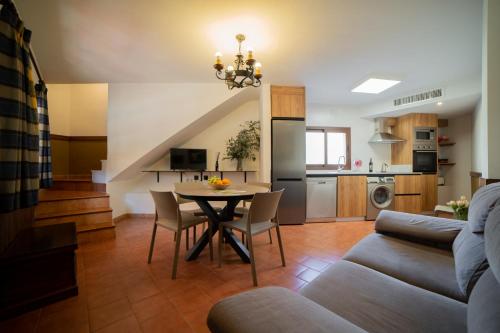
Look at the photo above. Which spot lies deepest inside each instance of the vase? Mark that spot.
(239, 164)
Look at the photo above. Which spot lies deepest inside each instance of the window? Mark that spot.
(325, 146)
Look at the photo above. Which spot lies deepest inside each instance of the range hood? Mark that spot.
(383, 131)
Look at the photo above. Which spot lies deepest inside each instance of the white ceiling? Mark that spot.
(327, 45)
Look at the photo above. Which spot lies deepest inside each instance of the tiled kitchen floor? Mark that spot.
(120, 292)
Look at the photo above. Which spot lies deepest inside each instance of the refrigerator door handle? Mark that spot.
(290, 179)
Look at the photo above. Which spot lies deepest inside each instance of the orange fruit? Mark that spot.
(226, 181)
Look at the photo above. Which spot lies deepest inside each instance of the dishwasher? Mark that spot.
(321, 198)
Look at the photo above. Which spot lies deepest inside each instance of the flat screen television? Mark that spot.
(188, 159)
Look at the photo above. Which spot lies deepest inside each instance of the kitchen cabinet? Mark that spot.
(288, 102)
(408, 203)
(408, 184)
(402, 152)
(351, 194)
(408, 193)
(429, 192)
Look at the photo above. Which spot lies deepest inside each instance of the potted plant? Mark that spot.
(460, 208)
(245, 144)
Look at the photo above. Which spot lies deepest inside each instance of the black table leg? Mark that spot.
(226, 214)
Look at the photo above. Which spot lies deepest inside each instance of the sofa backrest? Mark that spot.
(483, 310)
(481, 205)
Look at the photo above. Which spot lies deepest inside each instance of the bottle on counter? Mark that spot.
(370, 166)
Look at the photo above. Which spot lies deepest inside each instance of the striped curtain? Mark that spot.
(44, 132)
(18, 116)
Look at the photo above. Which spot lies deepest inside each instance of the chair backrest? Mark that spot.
(187, 186)
(165, 204)
(264, 206)
(260, 184)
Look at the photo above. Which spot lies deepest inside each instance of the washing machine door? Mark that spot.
(381, 196)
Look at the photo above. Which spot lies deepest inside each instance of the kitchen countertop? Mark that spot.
(334, 173)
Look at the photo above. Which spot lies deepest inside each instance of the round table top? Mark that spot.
(233, 192)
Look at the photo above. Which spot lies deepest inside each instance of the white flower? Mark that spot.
(463, 198)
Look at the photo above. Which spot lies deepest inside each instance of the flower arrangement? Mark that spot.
(460, 208)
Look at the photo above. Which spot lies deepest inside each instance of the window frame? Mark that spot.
(325, 130)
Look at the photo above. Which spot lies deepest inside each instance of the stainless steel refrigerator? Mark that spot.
(288, 168)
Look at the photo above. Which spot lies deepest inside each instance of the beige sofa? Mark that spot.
(414, 274)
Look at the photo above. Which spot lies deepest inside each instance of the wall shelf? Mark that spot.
(201, 172)
(445, 144)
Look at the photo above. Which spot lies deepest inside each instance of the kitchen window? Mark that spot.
(326, 145)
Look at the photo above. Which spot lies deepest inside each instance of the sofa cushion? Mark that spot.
(481, 205)
(418, 228)
(379, 303)
(492, 241)
(420, 265)
(274, 309)
(470, 258)
(483, 311)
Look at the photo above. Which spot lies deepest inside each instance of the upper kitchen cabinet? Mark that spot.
(402, 152)
(288, 102)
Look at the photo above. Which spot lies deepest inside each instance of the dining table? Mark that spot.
(205, 197)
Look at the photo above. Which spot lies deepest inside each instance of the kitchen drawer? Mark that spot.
(408, 184)
(408, 203)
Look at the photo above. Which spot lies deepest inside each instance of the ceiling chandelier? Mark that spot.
(244, 73)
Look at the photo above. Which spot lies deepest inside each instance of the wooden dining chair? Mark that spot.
(262, 216)
(169, 216)
(240, 211)
(184, 202)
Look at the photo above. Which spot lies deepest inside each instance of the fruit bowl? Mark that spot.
(219, 186)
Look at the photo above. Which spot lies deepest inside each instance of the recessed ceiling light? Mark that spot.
(374, 86)
(439, 103)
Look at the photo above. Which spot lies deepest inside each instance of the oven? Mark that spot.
(425, 161)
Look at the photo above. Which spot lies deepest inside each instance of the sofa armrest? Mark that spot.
(275, 309)
(415, 227)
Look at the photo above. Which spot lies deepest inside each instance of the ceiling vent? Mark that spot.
(419, 97)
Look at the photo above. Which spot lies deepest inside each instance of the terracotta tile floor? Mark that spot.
(120, 292)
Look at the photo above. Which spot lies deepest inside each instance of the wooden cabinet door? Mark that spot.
(408, 203)
(351, 196)
(401, 152)
(429, 192)
(288, 102)
(408, 184)
(425, 120)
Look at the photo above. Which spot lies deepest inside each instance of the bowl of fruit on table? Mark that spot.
(218, 184)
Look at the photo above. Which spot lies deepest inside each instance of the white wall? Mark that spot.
(491, 82)
(78, 109)
(265, 133)
(361, 132)
(457, 177)
(486, 120)
(142, 117)
(132, 196)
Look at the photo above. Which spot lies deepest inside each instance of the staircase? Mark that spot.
(89, 210)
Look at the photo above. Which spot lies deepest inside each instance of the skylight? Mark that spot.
(374, 86)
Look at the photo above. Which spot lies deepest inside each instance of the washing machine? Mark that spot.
(380, 195)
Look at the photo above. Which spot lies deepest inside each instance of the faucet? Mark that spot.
(341, 167)
(384, 167)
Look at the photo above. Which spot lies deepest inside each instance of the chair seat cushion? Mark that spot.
(274, 309)
(255, 228)
(188, 220)
(382, 304)
(420, 265)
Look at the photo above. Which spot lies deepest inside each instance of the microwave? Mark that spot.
(424, 138)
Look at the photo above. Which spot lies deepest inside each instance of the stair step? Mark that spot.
(72, 213)
(61, 195)
(84, 222)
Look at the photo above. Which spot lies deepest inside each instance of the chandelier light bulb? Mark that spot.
(230, 68)
(218, 55)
